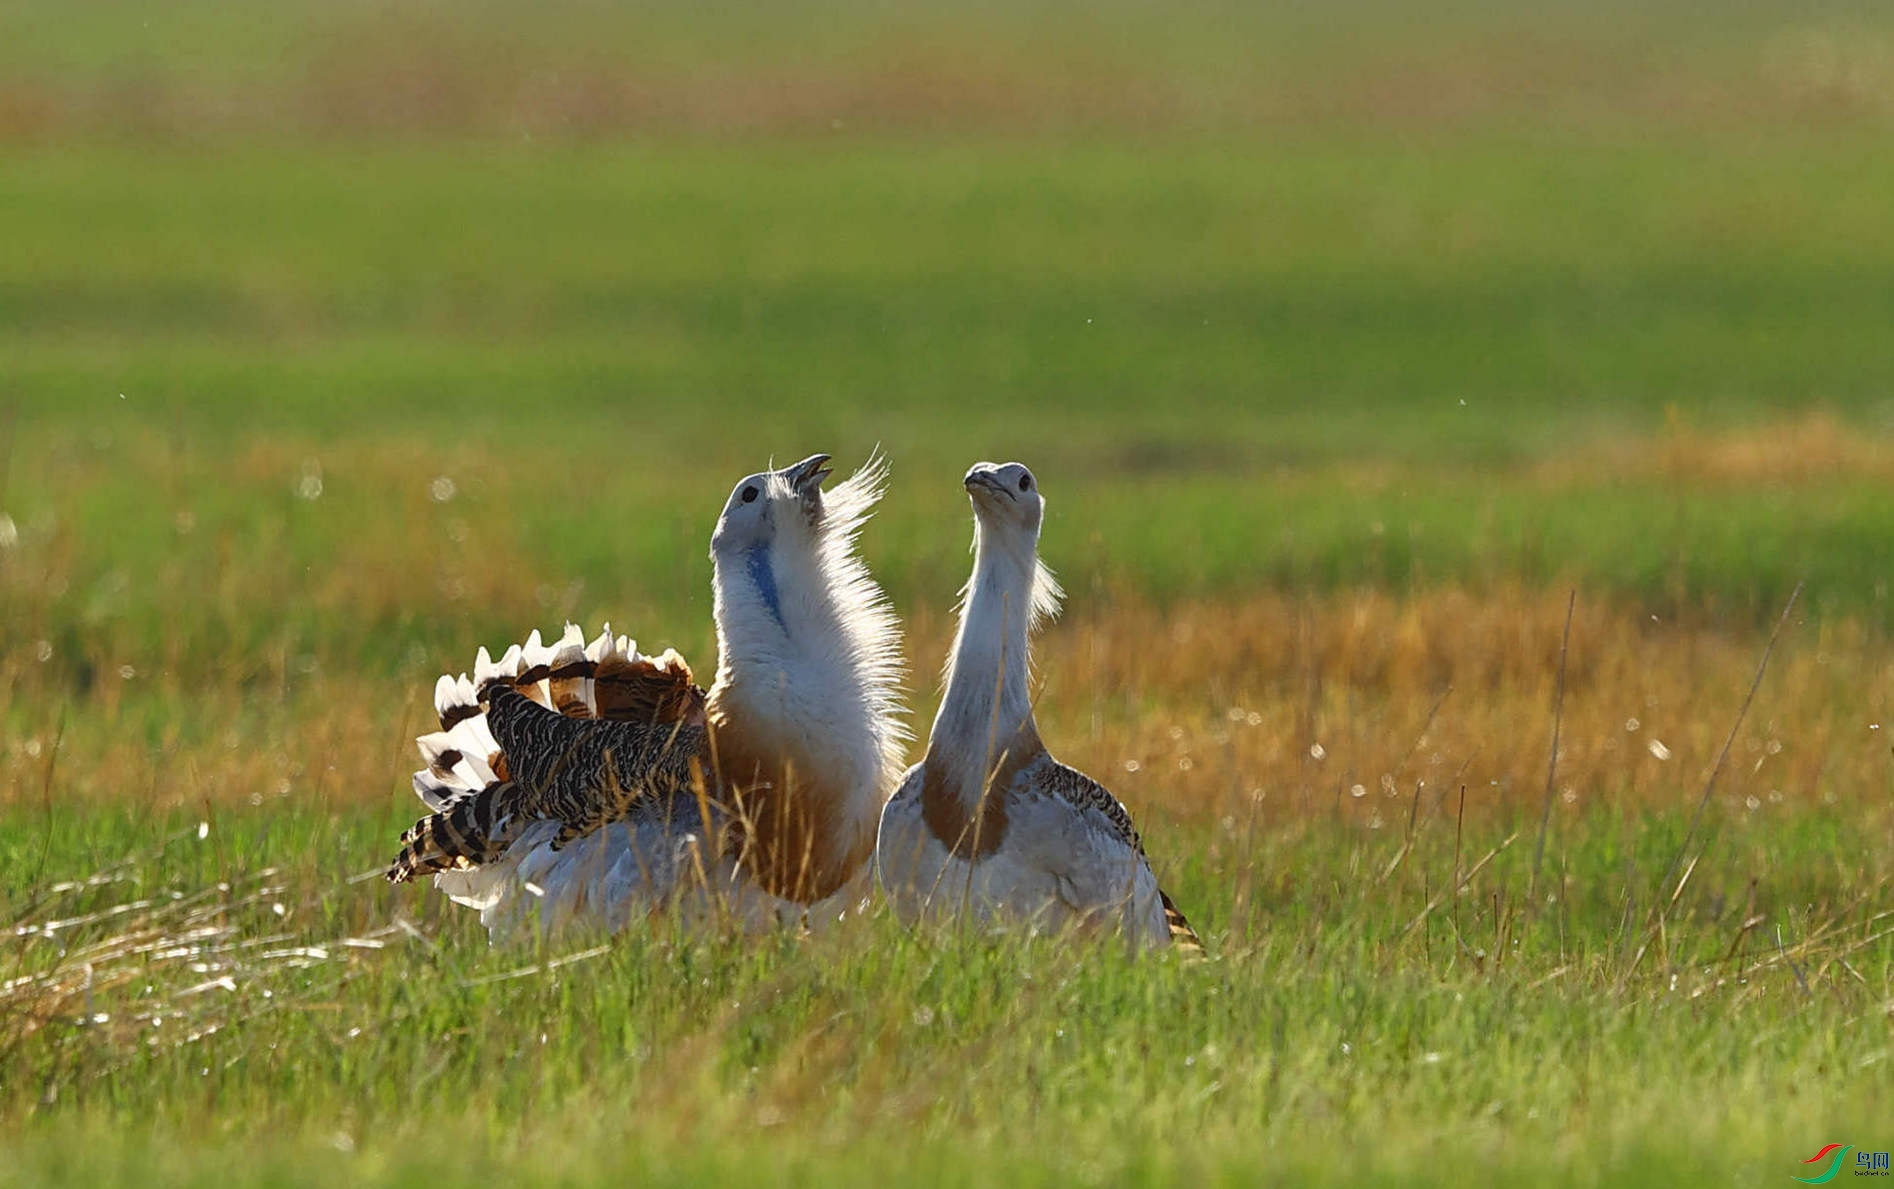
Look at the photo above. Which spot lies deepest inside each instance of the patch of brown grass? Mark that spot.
(1815, 448)
(437, 73)
(1279, 707)
(1266, 707)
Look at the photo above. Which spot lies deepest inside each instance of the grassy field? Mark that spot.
(1347, 347)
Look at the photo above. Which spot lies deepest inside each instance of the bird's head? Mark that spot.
(1007, 513)
(1006, 499)
(771, 530)
(770, 509)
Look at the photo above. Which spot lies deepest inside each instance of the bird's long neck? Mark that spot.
(799, 736)
(985, 720)
(768, 622)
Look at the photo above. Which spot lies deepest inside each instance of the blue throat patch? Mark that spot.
(758, 561)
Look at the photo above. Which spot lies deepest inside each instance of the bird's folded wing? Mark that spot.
(1082, 792)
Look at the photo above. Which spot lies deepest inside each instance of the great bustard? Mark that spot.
(988, 822)
(577, 783)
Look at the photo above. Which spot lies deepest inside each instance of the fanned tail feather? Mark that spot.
(1183, 938)
(466, 783)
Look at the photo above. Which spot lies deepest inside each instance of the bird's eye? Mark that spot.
(750, 493)
(1025, 482)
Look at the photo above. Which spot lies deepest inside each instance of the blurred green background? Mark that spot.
(1301, 297)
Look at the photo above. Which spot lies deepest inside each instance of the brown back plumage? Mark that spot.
(647, 690)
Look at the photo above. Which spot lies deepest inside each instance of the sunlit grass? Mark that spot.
(1347, 345)
(197, 944)
(1356, 1020)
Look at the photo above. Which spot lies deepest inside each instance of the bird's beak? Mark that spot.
(807, 475)
(979, 480)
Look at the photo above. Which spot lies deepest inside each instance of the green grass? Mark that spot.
(1329, 1042)
(1332, 303)
(1307, 366)
(1336, 299)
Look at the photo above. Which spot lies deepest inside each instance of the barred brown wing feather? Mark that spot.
(1081, 791)
(1182, 935)
(582, 773)
(570, 732)
(585, 773)
(470, 831)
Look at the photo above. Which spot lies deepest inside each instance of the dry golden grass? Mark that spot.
(505, 73)
(1351, 704)
(1817, 447)
(214, 667)
(1271, 705)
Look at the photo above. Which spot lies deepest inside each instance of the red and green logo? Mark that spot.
(1833, 1153)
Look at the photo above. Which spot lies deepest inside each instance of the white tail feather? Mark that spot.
(597, 650)
(484, 668)
(432, 747)
(473, 773)
(434, 792)
(571, 646)
(535, 653)
(446, 697)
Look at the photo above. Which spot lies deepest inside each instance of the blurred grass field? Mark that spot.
(338, 340)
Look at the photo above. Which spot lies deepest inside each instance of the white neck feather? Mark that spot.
(986, 705)
(821, 675)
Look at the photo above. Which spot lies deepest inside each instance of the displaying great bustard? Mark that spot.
(988, 822)
(592, 783)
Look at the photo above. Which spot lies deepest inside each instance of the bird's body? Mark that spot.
(989, 824)
(1064, 856)
(591, 784)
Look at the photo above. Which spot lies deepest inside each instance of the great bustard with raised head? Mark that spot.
(591, 783)
(989, 823)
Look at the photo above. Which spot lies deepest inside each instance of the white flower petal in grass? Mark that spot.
(1658, 749)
